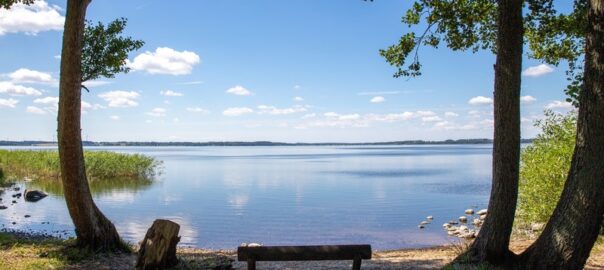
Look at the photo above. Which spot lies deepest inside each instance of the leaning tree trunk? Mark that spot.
(573, 228)
(493, 239)
(93, 229)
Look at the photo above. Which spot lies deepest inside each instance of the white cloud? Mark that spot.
(480, 100)
(474, 114)
(527, 99)
(192, 83)
(18, 90)
(47, 100)
(165, 61)
(31, 19)
(239, 91)
(391, 117)
(431, 119)
(120, 98)
(451, 114)
(170, 93)
(115, 117)
(24, 75)
(425, 113)
(272, 110)
(297, 86)
(8, 103)
(310, 115)
(35, 110)
(377, 99)
(298, 99)
(95, 83)
(556, 104)
(157, 112)
(537, 71)
(237, 111)
(197, 110)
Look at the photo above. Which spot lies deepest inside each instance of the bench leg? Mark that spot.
(356, 264)
(251, 264)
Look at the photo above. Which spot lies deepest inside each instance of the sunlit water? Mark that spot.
(223, 196)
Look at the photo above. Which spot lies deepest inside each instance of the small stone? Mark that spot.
(469, 211)
(424, 223)
(14, 201)
(14, 223)
(452, 228)
(477, 222)
(27, 216)
(430, 217)
(420, 226)
(16, 188)
(482, 217)
(243, 245)
(451, 233)
(2, 207)
(453, 222)
(254, 245)
(463, 219)
(446, 225)
(463, 228)
(482, 212)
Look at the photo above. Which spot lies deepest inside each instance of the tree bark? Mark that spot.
(493, 239)
(93, 229)
(573, 228)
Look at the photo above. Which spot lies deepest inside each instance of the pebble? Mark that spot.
(430, 217)
(446, 225)
(420, 226)
(424, 223)
(27, 216)
(453, 222)
(482, 212)
(469, 211)
(463, 219)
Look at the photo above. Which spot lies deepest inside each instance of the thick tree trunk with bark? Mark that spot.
(573, 228)
(492, 242)
(93, 229)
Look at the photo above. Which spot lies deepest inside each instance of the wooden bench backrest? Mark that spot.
(304, 253)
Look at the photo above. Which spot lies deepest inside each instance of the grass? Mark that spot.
(18, 253)
(100, 165)
(24, 254)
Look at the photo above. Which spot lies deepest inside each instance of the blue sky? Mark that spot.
(289, 71)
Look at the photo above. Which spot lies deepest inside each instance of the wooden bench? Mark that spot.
(304, 253)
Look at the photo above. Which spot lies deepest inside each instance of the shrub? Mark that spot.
(544, 167)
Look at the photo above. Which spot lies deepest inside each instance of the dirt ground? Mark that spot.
(45, 256)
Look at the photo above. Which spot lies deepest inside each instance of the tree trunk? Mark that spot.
(573, 228)
(492, 242)
(93, 229)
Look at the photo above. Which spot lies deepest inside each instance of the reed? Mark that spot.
(100, 165)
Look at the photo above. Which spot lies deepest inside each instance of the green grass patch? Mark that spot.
(100, 165)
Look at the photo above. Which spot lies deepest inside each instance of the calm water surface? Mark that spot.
(223, 196)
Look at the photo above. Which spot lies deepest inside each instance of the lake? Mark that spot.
(290, 195)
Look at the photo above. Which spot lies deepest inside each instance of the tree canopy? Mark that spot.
(105, 51)
(552, 36)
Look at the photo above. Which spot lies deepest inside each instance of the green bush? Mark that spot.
(544, 167)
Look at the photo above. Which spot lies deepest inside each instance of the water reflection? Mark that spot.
(107, 187)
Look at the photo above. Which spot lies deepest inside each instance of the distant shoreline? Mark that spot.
(255, 143)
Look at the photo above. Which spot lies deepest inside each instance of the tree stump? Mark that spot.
(158, 249)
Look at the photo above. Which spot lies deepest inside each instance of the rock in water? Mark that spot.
(430, 217)
(469, 211)
(2, 207)
(482, 212)
(463, 219)
(34, 195)
(158, 249)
